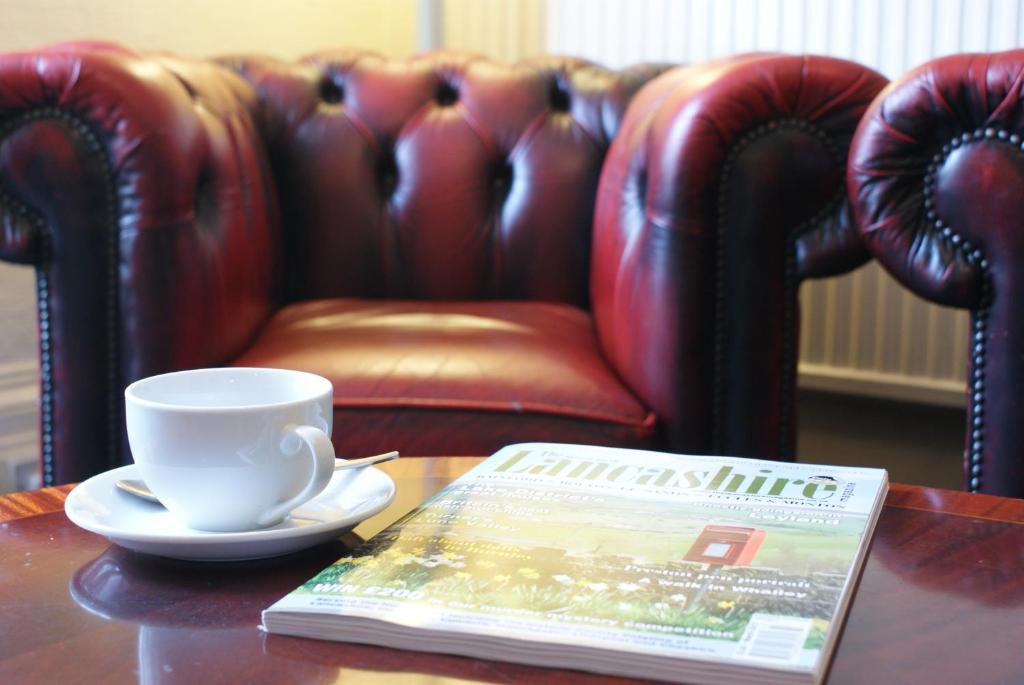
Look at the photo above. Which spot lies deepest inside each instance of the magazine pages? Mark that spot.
(628, 562)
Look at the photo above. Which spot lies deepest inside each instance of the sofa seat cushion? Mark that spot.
(432, 378)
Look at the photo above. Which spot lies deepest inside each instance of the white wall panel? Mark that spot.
(862, 332)
(506, 31)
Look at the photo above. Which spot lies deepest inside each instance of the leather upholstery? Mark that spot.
(509, 369)
(446, 176)
(936, 179)
(721, 191)
(154, 227)
(190, 213)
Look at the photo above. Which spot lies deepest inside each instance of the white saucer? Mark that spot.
(98, 506)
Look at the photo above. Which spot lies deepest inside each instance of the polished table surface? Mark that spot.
(940, 601)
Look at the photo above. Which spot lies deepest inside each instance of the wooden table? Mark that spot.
(940, 601)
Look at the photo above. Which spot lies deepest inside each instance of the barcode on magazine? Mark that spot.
(774, 639)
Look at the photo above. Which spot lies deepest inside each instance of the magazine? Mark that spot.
(624, 562)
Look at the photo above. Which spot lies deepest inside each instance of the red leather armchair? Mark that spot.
(936, 179)
(473, 253)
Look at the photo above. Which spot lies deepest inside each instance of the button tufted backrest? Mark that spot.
(444, 176)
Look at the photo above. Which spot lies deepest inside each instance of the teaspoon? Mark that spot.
(139, 488)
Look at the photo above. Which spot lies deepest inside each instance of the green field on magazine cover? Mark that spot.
(616, 560)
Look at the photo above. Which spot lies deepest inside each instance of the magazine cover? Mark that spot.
(707, 558)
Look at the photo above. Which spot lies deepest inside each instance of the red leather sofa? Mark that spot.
(474, 253)
(937, 183)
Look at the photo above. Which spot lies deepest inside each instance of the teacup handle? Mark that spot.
(322, 452)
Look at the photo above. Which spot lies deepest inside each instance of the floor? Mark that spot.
(917, 444)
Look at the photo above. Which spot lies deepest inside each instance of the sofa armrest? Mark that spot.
(936, 179)
(138, 186)
(722, 190)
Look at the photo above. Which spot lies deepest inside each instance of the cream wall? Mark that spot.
(196, 27)
(855, 329)
(208, 27)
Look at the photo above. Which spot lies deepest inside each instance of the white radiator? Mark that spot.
(862, 333)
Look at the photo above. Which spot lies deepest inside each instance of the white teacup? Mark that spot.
(232, 449)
